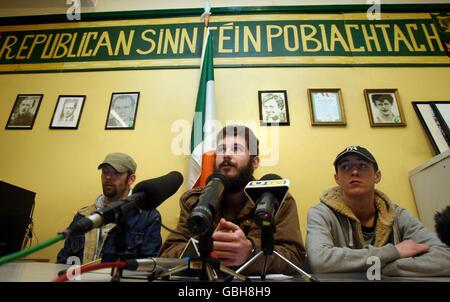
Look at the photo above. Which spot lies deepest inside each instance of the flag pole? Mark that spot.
(201, 163)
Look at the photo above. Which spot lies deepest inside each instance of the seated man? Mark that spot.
(355, 221)
(143, 229)
(236, 237)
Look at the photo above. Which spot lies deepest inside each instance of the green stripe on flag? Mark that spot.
(207, 74)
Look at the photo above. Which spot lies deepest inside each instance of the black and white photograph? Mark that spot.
(67, 112)
(326, 107)
(122, 110)
(273, 108)
(384, 108)
(435, 127)
(24, 111)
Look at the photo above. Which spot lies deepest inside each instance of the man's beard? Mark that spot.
(244, 176)
(110, 191)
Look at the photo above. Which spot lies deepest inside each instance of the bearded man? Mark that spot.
(237, 238)
(142, 228)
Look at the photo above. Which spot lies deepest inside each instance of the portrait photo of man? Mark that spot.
(273, 108)
(24, 111)
(122, 111)
(68, 111)
(384, 107)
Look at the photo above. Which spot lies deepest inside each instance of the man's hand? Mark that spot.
(409, 248)
(230, 244)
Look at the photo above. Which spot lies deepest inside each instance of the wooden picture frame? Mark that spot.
(24, 112)
(273, 108)
(326, 107)
(122, 110)
(67, 112)
(384, 108)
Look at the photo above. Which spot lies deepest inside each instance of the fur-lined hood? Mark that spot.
(333, 198)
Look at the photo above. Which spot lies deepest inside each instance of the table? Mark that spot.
(26, 271)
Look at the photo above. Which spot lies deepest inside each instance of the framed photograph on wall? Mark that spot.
(384, 108)
(326, 107)
(24, 111)
(67, 112)
(122, 110)
(436, 131)
(273, 108)
(442, 110)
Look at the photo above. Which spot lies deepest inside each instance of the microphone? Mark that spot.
(267, 193)
(204, 213)
(147, 195)
(442, 225)
(154, 264)
(157, 189)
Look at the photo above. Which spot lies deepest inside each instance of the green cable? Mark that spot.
(23, 253)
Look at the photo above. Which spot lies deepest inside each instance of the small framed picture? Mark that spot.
(435, 128)
(24, 111)
(326, 107)
(384, 108)
(122, 110)
(273, 108)
(67, 112)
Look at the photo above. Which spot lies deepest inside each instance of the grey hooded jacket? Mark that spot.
(335, 243)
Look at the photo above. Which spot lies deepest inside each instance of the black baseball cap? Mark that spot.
(359, 151)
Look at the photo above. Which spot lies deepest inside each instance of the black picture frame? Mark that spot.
(442, 110)
(122, 110)
(67, 112)
(434, 124)
(273, 103)
(24, 112)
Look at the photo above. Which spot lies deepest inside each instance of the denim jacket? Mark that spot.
(142, 239)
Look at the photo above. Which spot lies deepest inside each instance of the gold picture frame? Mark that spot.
(384, 108)
(326, 107)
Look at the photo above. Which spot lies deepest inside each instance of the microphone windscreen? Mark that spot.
(279, 190)
(159, 189)
(271, 177)
(219, 176)
(442, 225)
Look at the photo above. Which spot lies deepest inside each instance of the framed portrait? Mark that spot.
(273, 108)
(442, 110)
(384, 108)
(122, 110)
(435, 127)
(24, 111)
(67, 112)
(326, 107)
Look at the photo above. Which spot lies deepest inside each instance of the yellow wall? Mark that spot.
(61, 165)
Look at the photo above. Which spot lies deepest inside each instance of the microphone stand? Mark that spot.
(267, 249)
(119, 234)
(205, 264)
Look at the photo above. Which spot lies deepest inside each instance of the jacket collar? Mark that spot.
(333, 198)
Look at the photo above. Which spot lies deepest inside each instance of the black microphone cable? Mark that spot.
(187, 235)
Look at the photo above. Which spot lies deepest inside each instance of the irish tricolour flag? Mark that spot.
(203, 147)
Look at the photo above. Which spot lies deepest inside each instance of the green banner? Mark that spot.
(133, 44)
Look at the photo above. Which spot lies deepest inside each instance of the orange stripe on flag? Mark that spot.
(208, 161)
